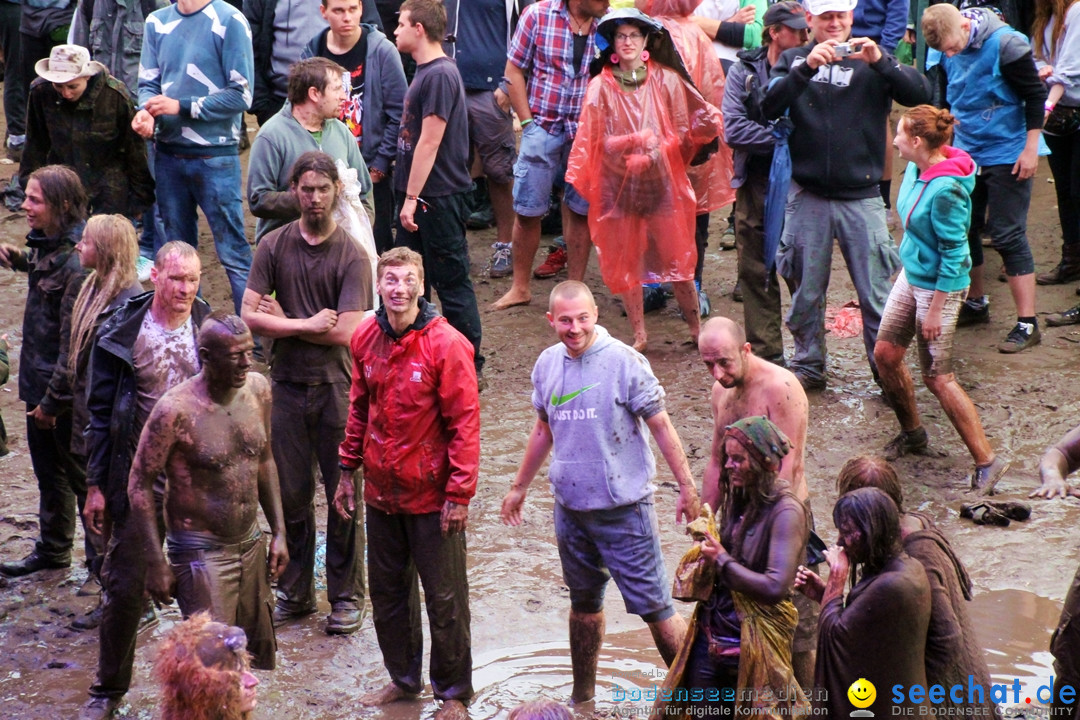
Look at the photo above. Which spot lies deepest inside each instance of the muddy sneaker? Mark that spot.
(90, 587)
(502, 262)
(99, 708)
(1011, 509)
(556, 261)
(1069, 317)
(984, 478)
(90, 620)
(914, 442)
(984, 514)
(704, 306)
(727, 240)
(1020, 338)
(973, 313)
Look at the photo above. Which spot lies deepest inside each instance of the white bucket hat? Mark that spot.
(66, 63)
(820, 7)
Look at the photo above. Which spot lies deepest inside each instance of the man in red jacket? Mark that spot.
(414, 426)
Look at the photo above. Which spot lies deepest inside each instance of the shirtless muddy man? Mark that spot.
(210, 435)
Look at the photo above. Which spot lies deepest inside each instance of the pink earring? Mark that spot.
(644, 56)
(614, 59)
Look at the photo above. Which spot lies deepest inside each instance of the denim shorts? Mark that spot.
(541, 159)
(491, 135)
(621, 543)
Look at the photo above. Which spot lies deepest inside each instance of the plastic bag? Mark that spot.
(696, 574)
(352, 217)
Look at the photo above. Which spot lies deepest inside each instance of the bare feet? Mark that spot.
(641, 342)
(387, 694)
(513, 297)
(452, 710)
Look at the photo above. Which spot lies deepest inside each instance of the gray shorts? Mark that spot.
(621, 543)
(903, 318)
(491, 135)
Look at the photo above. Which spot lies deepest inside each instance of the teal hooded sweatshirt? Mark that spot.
(936, 209)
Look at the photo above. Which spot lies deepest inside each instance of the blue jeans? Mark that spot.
(213, 184)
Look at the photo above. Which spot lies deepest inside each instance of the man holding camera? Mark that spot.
(838, 92)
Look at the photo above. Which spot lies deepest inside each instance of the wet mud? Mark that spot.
(519, 604)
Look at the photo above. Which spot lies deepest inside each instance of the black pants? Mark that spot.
(403, 547)
(123, 584)
(1065, 165)
(999, 203)
(61, 488)
(307, 425)
(14, 85)
(385, 206)
(440, 239)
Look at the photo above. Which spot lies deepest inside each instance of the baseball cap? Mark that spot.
(789, 13)
(820, 7)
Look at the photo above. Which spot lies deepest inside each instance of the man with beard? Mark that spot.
(414, 428)
(747, 385)
(309, 287)
(210, 436)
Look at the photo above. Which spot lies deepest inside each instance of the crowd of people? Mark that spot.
(145, 417)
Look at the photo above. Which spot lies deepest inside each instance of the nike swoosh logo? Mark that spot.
(558, 400)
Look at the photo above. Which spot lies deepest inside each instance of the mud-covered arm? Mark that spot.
(155, 445)
(787, 543)
(688, 505)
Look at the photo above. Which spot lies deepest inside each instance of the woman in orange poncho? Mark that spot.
(641, 126)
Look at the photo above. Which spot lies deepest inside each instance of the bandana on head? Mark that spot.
(765, 442)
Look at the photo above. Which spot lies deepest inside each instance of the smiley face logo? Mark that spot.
(862, 693)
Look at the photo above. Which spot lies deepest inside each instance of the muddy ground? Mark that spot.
(519, 604)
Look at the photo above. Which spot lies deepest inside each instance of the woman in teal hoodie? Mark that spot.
(935, 205)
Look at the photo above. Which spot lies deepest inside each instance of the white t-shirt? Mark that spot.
(720, 10)
(163, 359)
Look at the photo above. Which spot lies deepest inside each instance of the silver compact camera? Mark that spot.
(844, 49)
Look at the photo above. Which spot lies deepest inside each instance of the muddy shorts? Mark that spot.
(903, 319)
(491, 135)
(621, 543)
(229, 580)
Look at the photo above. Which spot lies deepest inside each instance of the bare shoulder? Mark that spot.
(258, 385)
(782, 387)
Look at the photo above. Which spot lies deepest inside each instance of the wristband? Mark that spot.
(1049, 106)
(526, 121)
(412, 197)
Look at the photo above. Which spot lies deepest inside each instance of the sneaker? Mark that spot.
(482, 219)
(99, 708)
(142, 268)
(973, 314)
(1020, 338)
(1069, 317)
(704, 306)
(727, 239)
(986, 477)
(502, 262)
(653, 298)
(556, 261)
(914, 442)
(1011, 509)
(984, 514)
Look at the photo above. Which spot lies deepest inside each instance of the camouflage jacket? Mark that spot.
(93, 136)
(55, 279)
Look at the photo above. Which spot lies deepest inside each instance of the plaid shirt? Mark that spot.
(543, 47)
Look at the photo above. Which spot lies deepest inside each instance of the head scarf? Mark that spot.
(765, 442)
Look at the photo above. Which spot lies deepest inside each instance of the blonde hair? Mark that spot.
(939, 23)
(117, 249)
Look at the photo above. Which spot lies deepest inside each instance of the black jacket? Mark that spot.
(55, 277)
(112, 435)
(840, 112)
